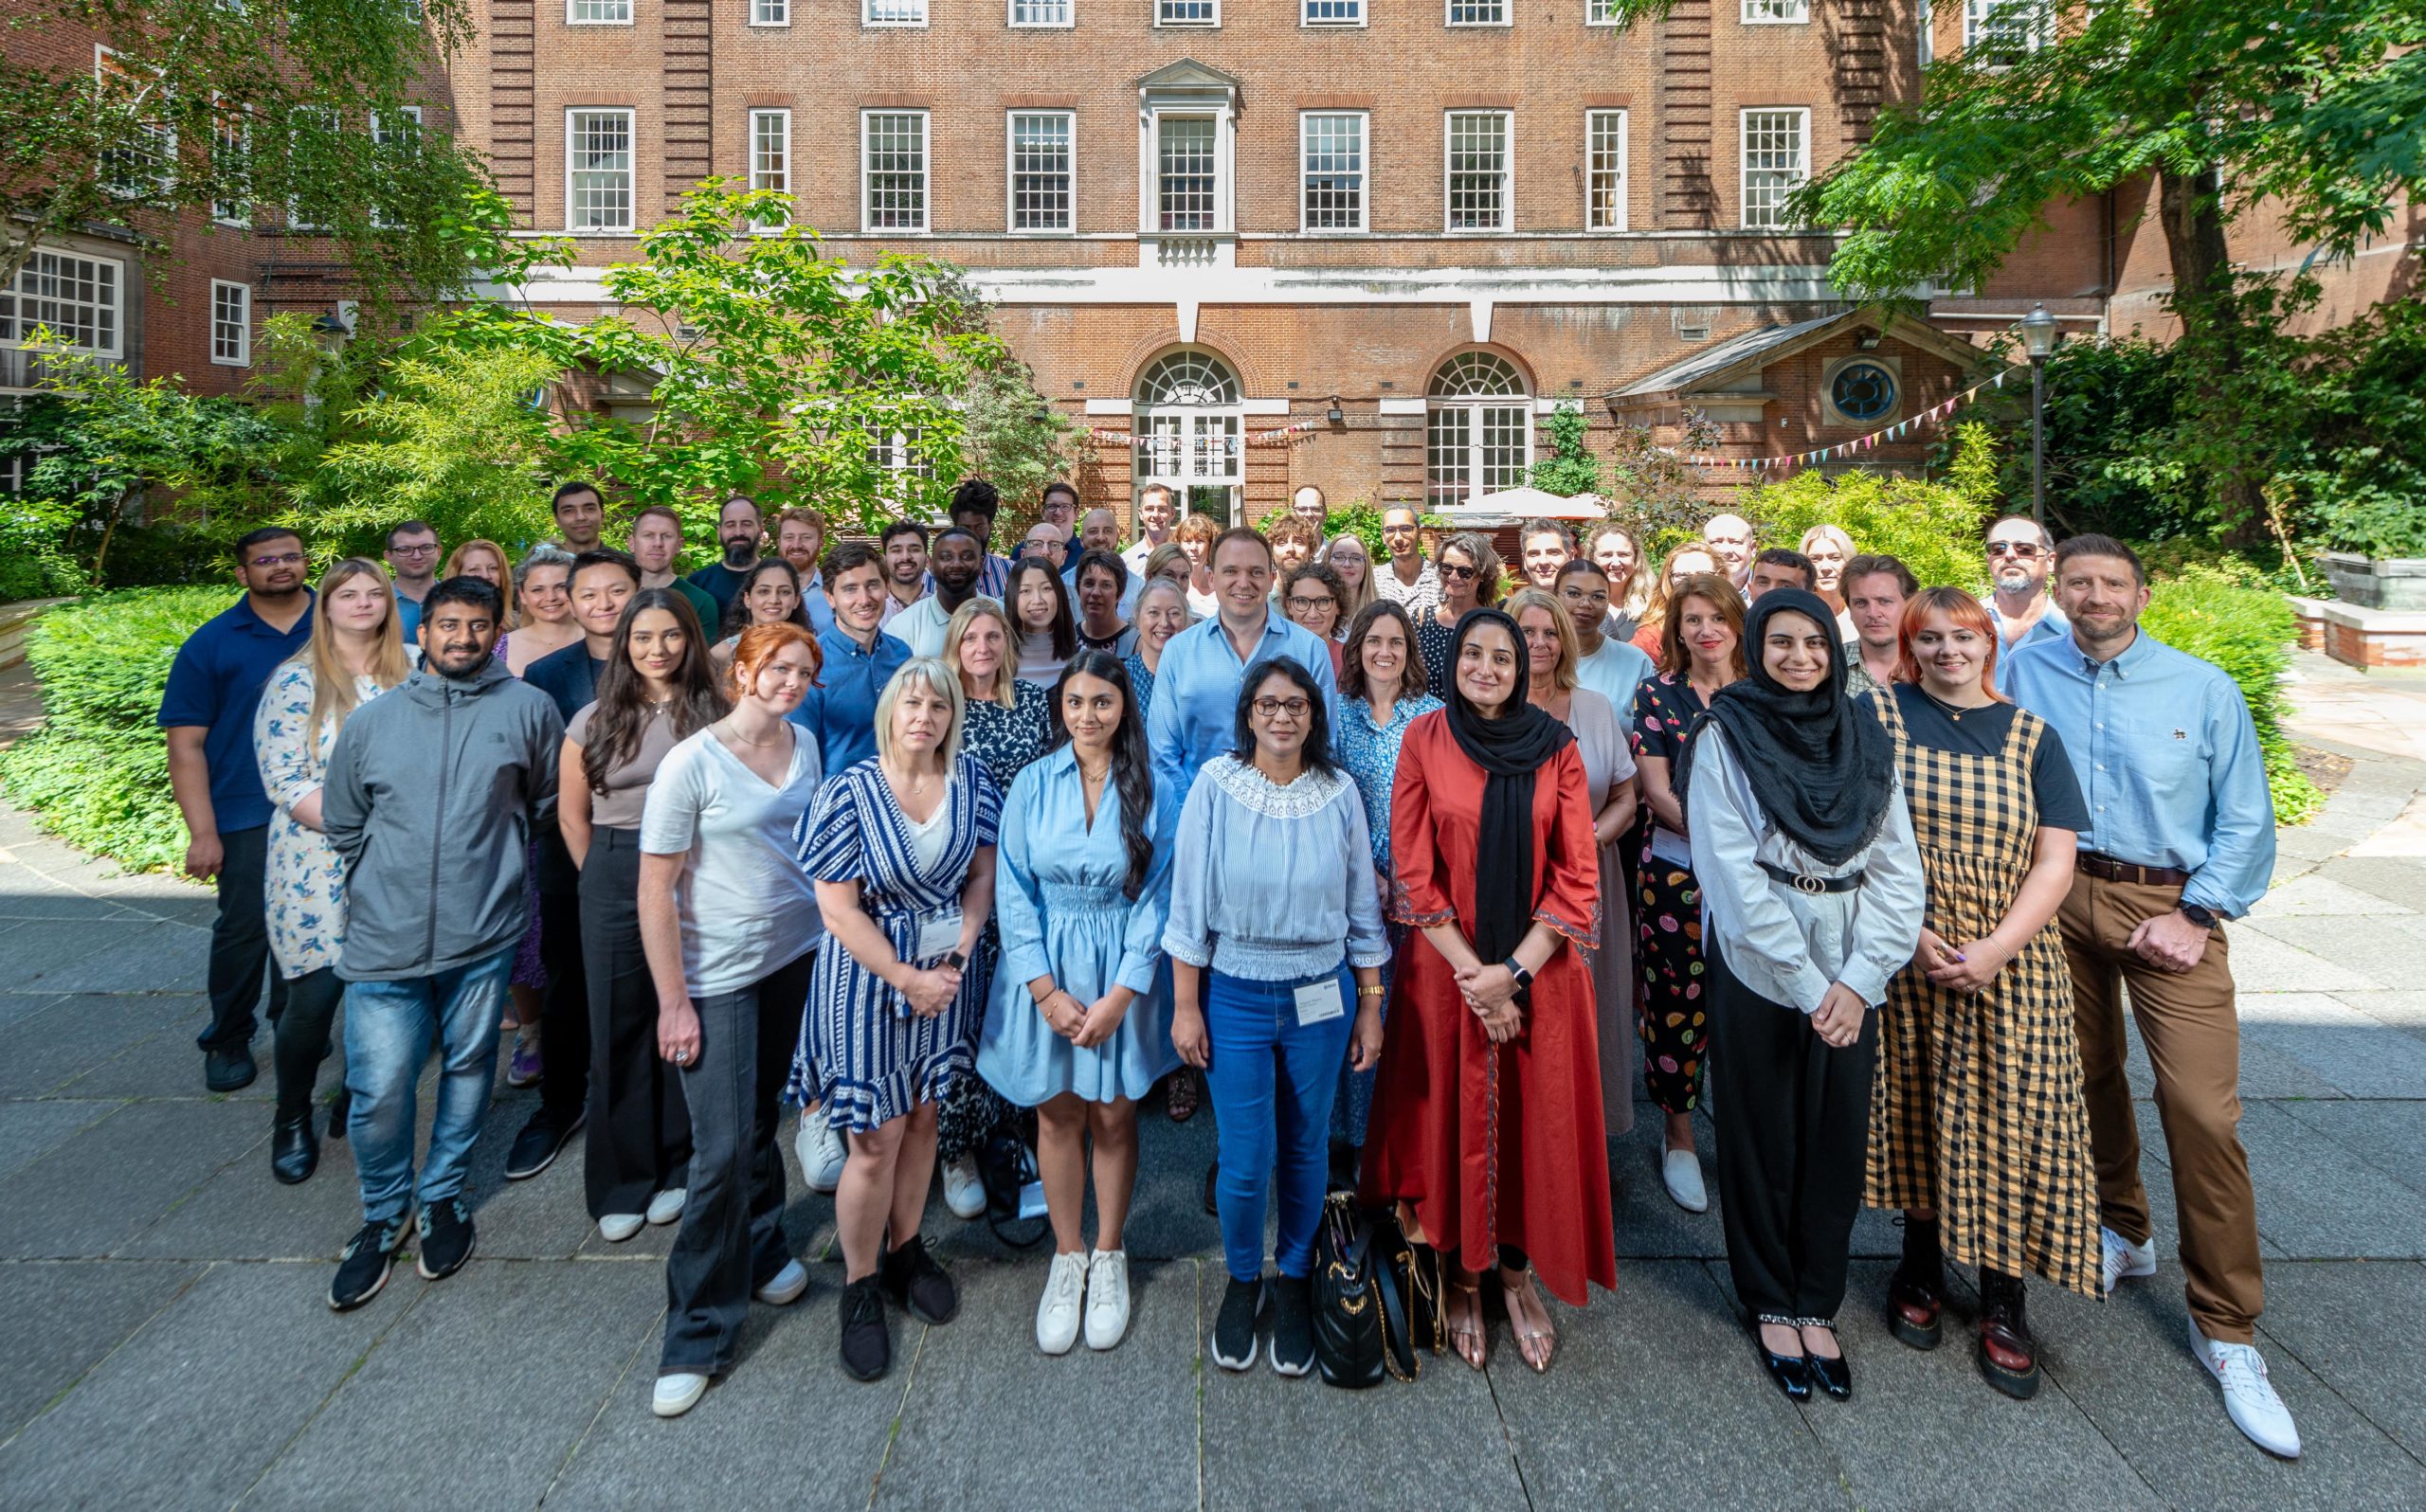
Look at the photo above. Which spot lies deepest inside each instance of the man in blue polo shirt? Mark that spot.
(1194, 713)
(859, 660)
(206, 711)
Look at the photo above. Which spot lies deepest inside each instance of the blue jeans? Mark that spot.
(387, 1029)
(1272, 1081)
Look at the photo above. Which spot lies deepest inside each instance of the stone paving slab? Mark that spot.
(110, 1180)
(87, 1308)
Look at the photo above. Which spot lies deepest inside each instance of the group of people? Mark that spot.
(1411, 865)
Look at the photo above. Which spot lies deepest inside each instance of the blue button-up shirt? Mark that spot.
(1194, 713)
(2168, 759)
(841, 712)
(2050, 625)
(215, 685)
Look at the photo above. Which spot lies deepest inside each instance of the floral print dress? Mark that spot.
(306, 877)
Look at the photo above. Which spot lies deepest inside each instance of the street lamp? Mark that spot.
(2038, 335)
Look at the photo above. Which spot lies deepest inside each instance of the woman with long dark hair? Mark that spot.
(1487, 1118)
(656, 692)
(1812, 895)
(1047, 631)
(769, 593)
(1277, 948)
(1079, 1027)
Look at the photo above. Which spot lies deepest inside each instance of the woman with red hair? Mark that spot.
(1978, 1130)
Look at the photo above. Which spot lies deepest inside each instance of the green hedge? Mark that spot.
(2235, 621)
(96, 773)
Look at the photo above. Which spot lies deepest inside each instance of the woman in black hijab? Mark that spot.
(1812, 900)
(1487, 1117)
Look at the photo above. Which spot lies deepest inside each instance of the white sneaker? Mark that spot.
(617, 1227)
(666, 1207)
(785, 1288)
(2249, 1396)
(1057, 1315)
(1107, 1298)
(822, 1152)
(2123, 1258)
(963, 1191)
(1682, 1171)
(677, 1393)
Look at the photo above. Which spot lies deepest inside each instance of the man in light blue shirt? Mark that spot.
(2180, 838)
(859, 659)
(2020, 554)
(1193, 717)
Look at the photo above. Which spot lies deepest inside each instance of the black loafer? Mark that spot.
(228, 1071)
(1791, 1372)
(1835, 1376)
(293, 1150)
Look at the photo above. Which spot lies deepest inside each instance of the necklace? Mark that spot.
(1098, 774)
(734, 730)
(1952, 711)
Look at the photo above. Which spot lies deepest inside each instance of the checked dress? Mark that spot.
(1977, 1109)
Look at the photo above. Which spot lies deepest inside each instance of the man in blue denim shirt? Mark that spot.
(2180, 838)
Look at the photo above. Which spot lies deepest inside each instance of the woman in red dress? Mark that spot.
(1487, 1117)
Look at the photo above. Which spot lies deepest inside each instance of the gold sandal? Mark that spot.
(1467, 1324)
(1527, 1339)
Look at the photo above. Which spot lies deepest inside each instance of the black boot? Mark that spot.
(2008, 1356)
(293, 1149)
(1917, 1293)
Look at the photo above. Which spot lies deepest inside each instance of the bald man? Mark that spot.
(1729, 539)
(1100, 530)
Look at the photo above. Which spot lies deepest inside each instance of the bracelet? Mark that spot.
(1374, 991)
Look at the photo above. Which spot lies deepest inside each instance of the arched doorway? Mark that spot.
(1193, 421)
(1478, 429)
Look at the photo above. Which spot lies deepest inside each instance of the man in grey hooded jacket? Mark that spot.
(431, 798)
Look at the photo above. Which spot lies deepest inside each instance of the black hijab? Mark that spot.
(1510, 750)
(1821, 769)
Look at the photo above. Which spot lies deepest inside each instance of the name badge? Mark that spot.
(1319, 1001)
(938, 938)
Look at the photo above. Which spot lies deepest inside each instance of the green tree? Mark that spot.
(1570, 468)
(1012, 436)
(1932, 525)
(216, 108)
(1656, 488)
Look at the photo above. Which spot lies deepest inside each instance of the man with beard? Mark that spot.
(974, 504)
(953, 565)
(656, 545)
(740, 532)
(207, 716)
(1409, 582)
(1058, 507)
(1876, 589)
(412, 563)
(1100, 530)
(903, 545)
(2020, 554)
(799, 539)
(430, 791)
(580, 515)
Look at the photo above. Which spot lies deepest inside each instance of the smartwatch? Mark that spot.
(2199, 914)
(956, 960)
(1524, 978)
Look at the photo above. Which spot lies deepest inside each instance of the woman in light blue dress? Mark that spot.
(1079, 1024)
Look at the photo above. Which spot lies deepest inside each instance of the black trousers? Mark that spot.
(302, 1038)
(732, 1238)
(239, 943)
(564, 1003)
(640, 1133)
(1793, 1124)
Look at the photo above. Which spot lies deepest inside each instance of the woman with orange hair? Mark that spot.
(1978, 1128)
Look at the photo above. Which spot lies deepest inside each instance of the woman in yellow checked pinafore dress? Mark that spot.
(1978, 1127)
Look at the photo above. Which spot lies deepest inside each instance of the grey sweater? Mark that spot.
(430, 797)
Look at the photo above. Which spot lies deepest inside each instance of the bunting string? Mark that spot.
(1261, 437)
(1860, 444)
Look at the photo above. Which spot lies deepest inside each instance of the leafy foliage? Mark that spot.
(2235, 621)
(1933, 525)
(2360, 475)
(1654, 487)
(96, 773)
(1014, 438)
(1570, 468)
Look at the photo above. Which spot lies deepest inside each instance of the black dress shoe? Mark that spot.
(536, 1147)
(293, 1151)
(228, 1071)
(1791, 1372)
(1835, 1376)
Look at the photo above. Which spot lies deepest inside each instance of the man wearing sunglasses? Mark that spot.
(2020, 554)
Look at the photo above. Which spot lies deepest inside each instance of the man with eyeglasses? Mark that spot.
(1192, 717)
(1409, 581)
(412, 563)
(206, 717)
(2020, 554)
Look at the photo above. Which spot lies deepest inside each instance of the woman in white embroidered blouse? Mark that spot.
(356, 653)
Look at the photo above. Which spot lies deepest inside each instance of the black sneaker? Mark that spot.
(536, 1147)
(867, 1348)
(362, 1269)
(1293, 1325)
(917, 1285)
(230, 1070)
(445, 1239)
(1234, 1337)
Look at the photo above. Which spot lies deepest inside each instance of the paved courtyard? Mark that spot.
(169, 1345)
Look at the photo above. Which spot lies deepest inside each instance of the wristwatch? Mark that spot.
(1524, 978)
(2199, 914)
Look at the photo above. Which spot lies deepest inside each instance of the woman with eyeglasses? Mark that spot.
(1702, 651)
(1684, 561)
(1277, 948)
(1468, 569)
(1348, 556)
(1311, 596)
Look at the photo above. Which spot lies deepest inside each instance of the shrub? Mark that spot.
(96, 773)
(2229, 616)
(1934, 527)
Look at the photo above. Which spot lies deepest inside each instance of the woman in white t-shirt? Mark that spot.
(729, 924)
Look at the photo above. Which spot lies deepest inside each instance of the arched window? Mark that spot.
(1190, 413)
(1478, 429)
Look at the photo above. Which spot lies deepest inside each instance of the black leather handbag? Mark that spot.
(1414, 1271)
(1361, 1321)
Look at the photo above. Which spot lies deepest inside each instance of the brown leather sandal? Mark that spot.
(1538, 1347)
(1467, 1334)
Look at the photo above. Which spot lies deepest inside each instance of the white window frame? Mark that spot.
(574, 17)
(926, 175)
(1475, 415)
(1507, 172)
(1744, 162)
(1308, 19)
(1592, 118)
(235, 213)
(760, 176)
(1759, 12)
(238, 353)
(869, 18)
(1220, 209)
(1449, 14)
(380, 128)
(1069, 10)
(770, 12)
(105, 64)
(1190, 443)
(1069, 120)
(631, 170)
(1976, 33)
(1600, 12)
(1364, 172)
(45, 269)
(1162, 17)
